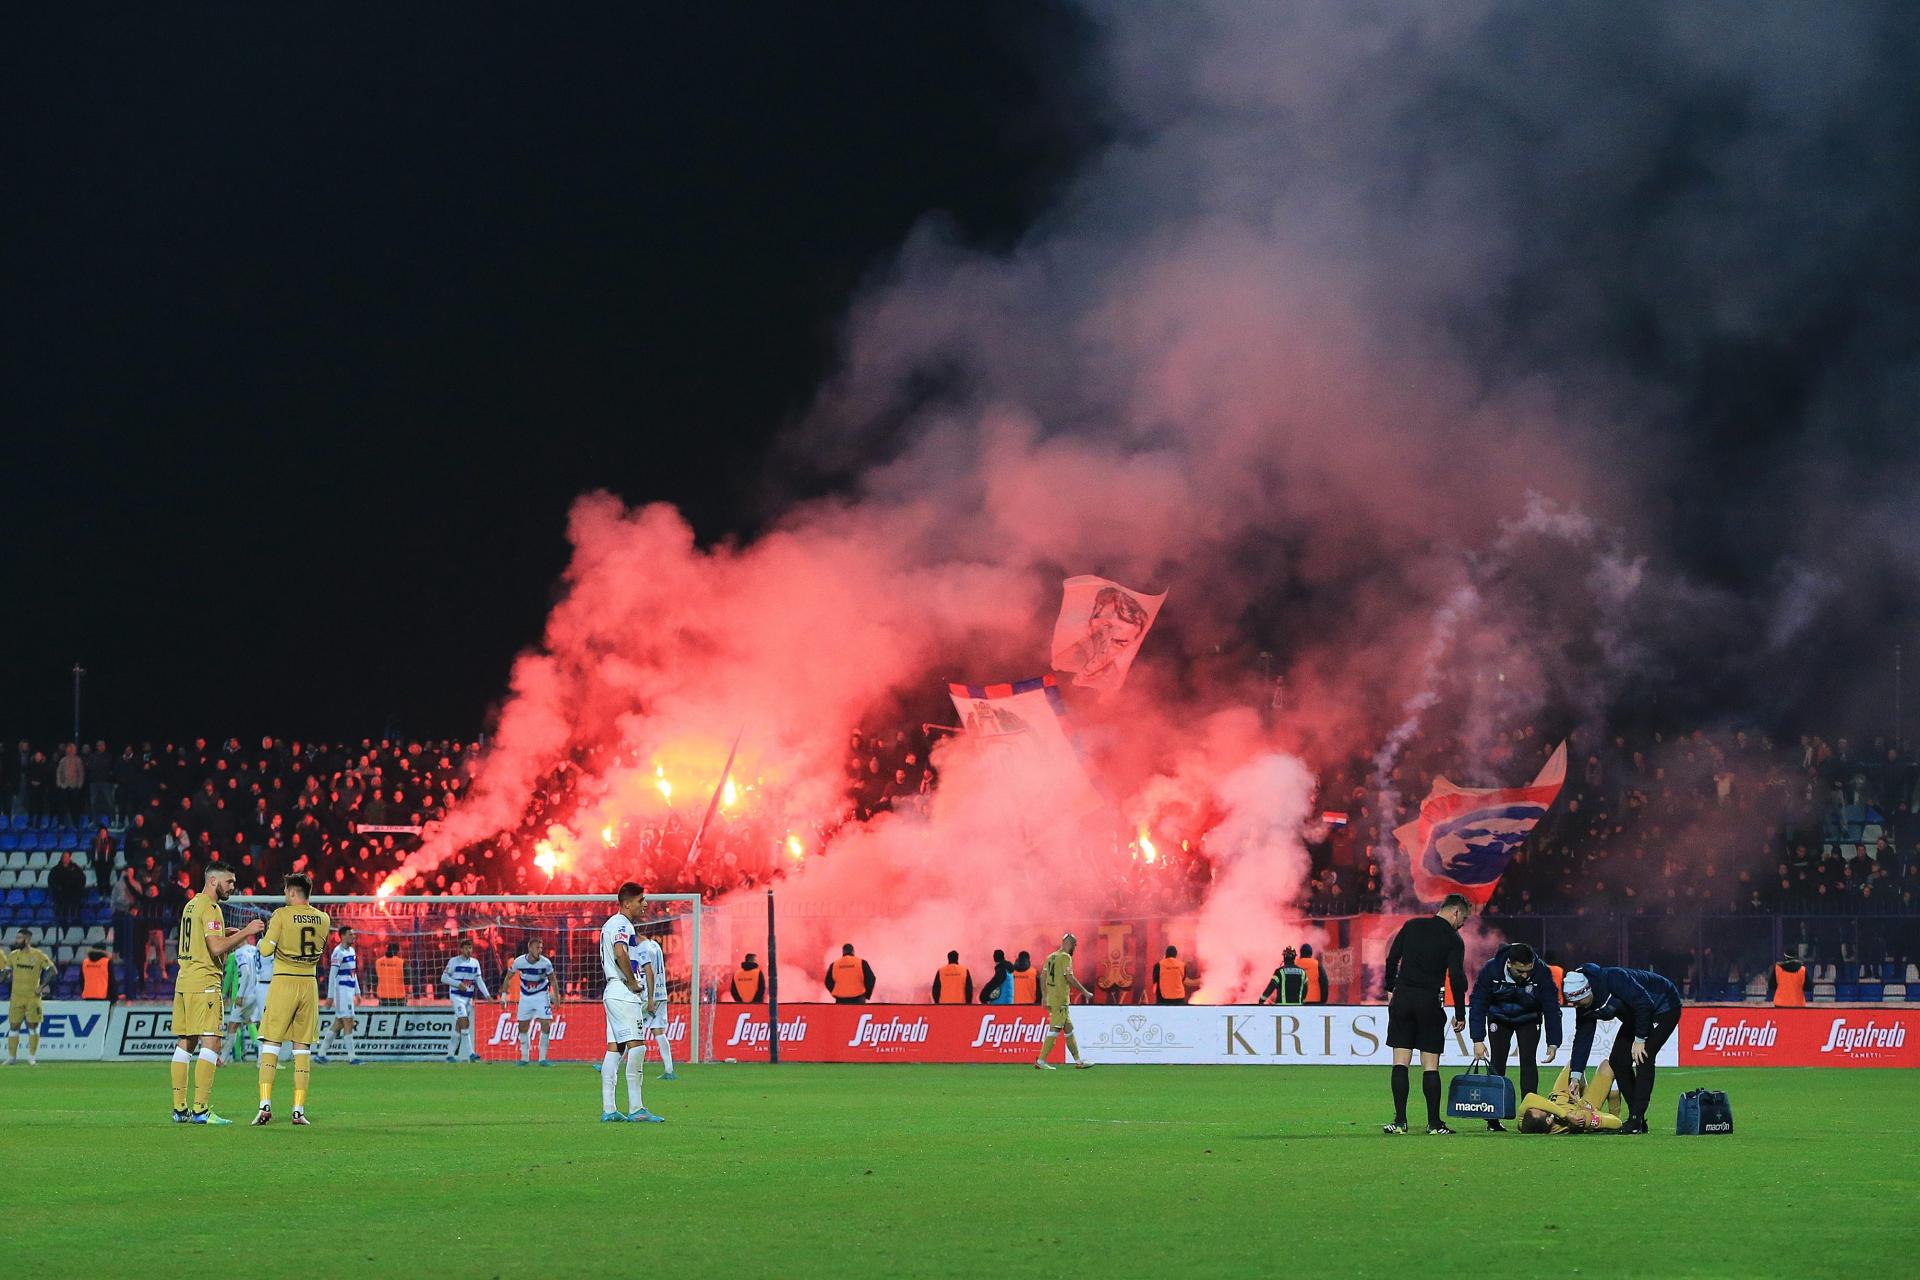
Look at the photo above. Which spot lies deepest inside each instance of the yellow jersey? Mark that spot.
(29, 966)
(296, 938)
(1056, 979)
(200, 922)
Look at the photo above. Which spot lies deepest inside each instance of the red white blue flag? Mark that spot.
(1465, 836)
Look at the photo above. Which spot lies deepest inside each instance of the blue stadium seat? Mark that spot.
(1846, 992)
(9, 841)
(1871, 993)
(16, 898)
(35, 897)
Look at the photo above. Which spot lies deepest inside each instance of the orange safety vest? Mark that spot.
(93, 979)
(847, 978)
(1790, 987)
(390, 979)
(953, 984)
(1173, 978)
(745, 982)
(1026, 985)
(1559, 979)
(1316, 992)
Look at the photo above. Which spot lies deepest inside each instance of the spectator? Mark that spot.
(952, 984)
(1170, 979)
(13, 780)
(749, 985)
(39, 788)
(127, 895)
(70, 781)
(67, 886)
(101, 857)
(98, 766)
(999, 988)
(849, 979)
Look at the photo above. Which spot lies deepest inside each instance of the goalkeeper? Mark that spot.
(1595, 1111)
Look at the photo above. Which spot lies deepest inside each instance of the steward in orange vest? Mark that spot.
(750, 982)
(1316, 976)
(390, 976)
(94, 973)
(1026, 980)
(952, 984)
(1788, 985)
(849, 979)
(1170, 979)
(1559, 973)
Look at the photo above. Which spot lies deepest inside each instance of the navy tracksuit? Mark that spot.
(1648, 1008)
(1515, 1009)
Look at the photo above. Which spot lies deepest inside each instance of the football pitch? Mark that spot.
(802, 1170)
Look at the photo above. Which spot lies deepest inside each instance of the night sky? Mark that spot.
(318, 322)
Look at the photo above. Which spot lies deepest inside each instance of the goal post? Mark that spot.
(423, 932)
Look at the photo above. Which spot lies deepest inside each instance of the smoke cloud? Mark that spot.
(1530, 360)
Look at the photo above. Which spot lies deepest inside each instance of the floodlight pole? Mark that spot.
(773, 988)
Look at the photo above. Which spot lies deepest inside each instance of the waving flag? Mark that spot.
(1465, 836)
(1022, 723)
(1100, 628)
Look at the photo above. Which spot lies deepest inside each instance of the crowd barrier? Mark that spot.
(1233, 1035)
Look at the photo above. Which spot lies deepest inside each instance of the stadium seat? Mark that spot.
(15, 898)
(37, 860)
(8, 878)
(1894, 992)
(1871, 992)
(16, 860)
(9, 841)
(95, 936)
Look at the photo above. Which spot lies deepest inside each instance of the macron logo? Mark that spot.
(1737, 1035)
(1842, 1038)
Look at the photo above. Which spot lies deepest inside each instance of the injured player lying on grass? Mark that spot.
(1560, 1111)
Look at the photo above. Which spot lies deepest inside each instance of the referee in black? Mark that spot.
(1425, 953)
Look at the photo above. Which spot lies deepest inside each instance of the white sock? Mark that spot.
(609, 1081)
(546, 1034)
(453, 1050)
(526, 1041)
(666, 1053)
(466, 1040)
(636, 1060)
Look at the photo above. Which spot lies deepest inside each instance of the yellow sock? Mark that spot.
(302, 1069)
(269, 1063)
(13, 1046)
(33, 1045)
(181, 1061)
(203, 1079)
(1073, 1046)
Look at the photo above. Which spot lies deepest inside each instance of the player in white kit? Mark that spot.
(651, 962)
(627, 1009)
(343, 986)
(464, 983)
(249, 1000)
(536, 998)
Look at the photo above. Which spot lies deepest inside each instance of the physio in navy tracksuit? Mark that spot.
(1648, 1007)
(1515, 993)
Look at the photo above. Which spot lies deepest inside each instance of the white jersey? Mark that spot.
(462, 979)
(262, 966)
(651, 968)
(618, 954)
(536, 984)
(343, 978)
(248, 990)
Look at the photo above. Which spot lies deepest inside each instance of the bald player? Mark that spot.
(31, 971)
(296, 939)
(198, 1018)
(1057, 985)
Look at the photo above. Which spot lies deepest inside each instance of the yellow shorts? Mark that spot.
(293, 1010)
(24, 1009)
(1060, 1017)
(197, 1013)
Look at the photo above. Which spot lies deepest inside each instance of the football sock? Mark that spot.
(302, 1072)
(666, 1052)
(347, 1041)
(1073, 1046)
(181, 1059)
(269, 1064)
(526, 1041)
(13, 1046)
(1430, 1085)
(546, 1034)
(203, 1079)
(1400, 1093)
(33, 1041)
(609, 1081)
(1046, 1045)
(636, 1058)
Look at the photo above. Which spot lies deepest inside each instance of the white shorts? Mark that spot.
(462, 1006)
(248, 1010)
(658, 1022)
(534, 1008)
(343, 1000)
(623, 1020)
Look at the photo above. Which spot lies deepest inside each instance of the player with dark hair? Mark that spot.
(295, 941)
(1426, 954)
(627, 1008)
(1518, 998)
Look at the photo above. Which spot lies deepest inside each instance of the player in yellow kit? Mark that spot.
(1057, 985)
(1561, 1112)
(31, 971)
(296, 939)
(197, 1017)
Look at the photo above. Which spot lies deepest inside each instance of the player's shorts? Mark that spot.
(658, 1022)
(344, 999)
(624, 1019)
(1060, 1017)
(293, 1010)
(24, 1010)
(254, 1008)
(197, 1013)
(462, 1006)
(534, 1008)
(1416, 1021)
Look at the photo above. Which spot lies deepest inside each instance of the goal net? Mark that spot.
(403, 1009)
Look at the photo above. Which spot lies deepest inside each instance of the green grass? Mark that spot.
(941, 1171)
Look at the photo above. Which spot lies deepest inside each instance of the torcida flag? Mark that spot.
(1101, 627)
(1465, 836)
